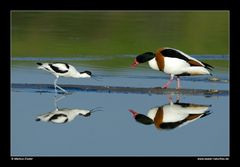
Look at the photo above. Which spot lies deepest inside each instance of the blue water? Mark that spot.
(113, 131)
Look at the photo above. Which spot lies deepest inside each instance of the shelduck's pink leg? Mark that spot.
(168, 83)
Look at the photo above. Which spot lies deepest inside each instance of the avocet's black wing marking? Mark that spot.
(58, 116)
(59, 67)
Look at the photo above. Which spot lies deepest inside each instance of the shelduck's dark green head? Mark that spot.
(142, 58)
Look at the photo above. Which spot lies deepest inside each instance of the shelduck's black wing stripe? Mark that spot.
(173, 54)
(57, 70)
(183, 104)
(171, 125)
(206, 114)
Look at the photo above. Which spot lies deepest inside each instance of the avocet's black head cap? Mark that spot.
(145, 57)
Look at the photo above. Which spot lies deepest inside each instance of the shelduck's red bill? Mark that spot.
(135, 63)
(134, 113)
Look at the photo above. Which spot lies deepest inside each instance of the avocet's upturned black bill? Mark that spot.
(63, 70)
(174, 62)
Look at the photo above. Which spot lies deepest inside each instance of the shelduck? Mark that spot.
(173, 62)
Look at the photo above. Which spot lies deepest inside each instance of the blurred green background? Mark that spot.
(74, 33)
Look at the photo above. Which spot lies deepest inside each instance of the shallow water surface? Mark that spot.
(112, 130)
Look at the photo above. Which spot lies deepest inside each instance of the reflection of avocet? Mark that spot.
(64, 115)
(172, 115)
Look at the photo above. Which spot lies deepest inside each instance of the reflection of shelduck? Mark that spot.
(174, 62)
(64, 70)
(172, 115)
(64, 115)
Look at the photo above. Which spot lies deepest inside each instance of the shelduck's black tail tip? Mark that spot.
(39, 63)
